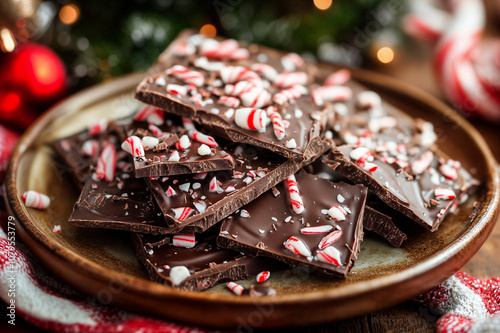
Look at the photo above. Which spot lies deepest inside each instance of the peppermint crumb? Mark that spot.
(234, 236)
(262, 231)
(260, 245)
(292, 221)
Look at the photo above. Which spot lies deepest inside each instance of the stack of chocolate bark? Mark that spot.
(244, 160)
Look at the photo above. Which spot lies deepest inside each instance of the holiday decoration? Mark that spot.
(465, 63)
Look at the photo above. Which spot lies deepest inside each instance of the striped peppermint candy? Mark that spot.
(229, 101)
(187, 75)
(203, 138)
(295, 245)
(155, 130)
(329, 239)
(277, 121)
(338, 78)
(263, 276)
(289, 94)
(235, 288)
(213, 186)
(35, 199)
(250, 118)
(170, 192)
(133, 145)
(448, 171)
(176, 89)
(227, 49)
(239, 88)
(320, 229)
(420, 165)
(361, 155)
(291, 62)
(294, 194)
(331, 94)
(182, 213)
(188, 124)
(256, 97)
(151, 114)
(287, 79)
(330, 255)
(90, 148)
(186, 241)
(183, 142)
(338, 213)
(106, 164)
(232, 74)
(444, 193)
(268, 71)
(369, 100)
(98, 127)
(184, 49)
(174, 156)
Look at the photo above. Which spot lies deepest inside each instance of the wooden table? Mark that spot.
(406, 317)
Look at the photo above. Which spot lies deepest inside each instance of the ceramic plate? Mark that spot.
(102, 263)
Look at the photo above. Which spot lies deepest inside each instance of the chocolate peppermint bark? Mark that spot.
(122, 202)
(306, 221)
(382, 225)
(173, 146)
(412, 180)
(251, 95)
(193, 203)
(195, 263)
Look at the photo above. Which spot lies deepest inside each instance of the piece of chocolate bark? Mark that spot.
(173, 146)
(412, 180)
(303, 221)
(193, 203)
(195, 263)
(382, 225)
(251, 95)
(123, 203)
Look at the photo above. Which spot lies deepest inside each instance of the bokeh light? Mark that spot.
(208, 30)
(323, 4)
(69, 14)
(385, 55)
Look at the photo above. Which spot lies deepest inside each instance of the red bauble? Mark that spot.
(34, 73)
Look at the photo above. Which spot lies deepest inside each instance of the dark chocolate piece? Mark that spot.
(194, 203)
(264, 226)
(158, 159)
(204, 100)
(208, 265)
(123, 204)
(382, 225)
(409, 181)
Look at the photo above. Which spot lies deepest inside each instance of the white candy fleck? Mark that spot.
(291, 144)
(196, 186)
(204, 150)
(179, 274)
(185, 187)
(340, 198)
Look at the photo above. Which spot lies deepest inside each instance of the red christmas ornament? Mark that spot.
(33, 74)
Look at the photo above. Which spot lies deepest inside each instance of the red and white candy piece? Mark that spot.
(35, 199)
(287, 79)
(294, 194)
(291, 62)
(338, 78)
(256, 97)
(289, 94)
(268, 71)
(239, 88)
(183, 142)
(277, 121)
(133, 145)
(179, 274)
(184, 49)
(320, 229)
(56, 229)
(106, 164)
(98, 127)
(444, 193)
(151, 115)
(227, 49)
(232, 74)
(181, 213)
(176, 89)
(188, 124)
(331, 94)
(249, 118)
(263, 276)
(170, 192)
(338, 213)
(204, 150)
(235, 288)
(229, 101)
(90, 148)
(330, 255)
(202, 138)
(369, 100)
(213, 186)
(155, 130)
(295, 245)
(420, 165)
(186, 241)
(187, 75)
(361, 155)
(329, 239)
(448, 171)
(174, 157)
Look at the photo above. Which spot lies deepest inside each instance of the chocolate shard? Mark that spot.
(193, 203)
(326, 237)
(170, 150)
(406, 181)
(198, 268)
(382, 225)
(262, 99)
